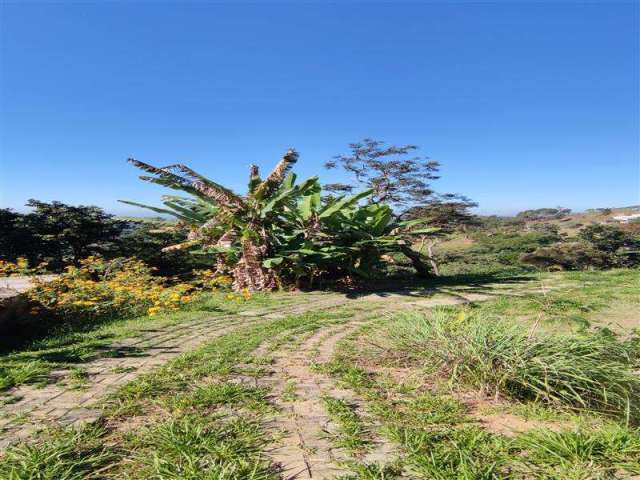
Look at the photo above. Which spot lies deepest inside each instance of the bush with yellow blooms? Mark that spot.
(99, 288)
(20, 267)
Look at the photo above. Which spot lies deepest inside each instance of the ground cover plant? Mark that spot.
(194, 434)
(432, 417)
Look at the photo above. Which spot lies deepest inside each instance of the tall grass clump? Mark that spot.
(592, 371)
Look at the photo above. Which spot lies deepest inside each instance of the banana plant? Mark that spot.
(280, 230)
(224, 223)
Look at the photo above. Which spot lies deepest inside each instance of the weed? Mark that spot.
(352, 434)
(590, 371)
(216, 394)
(372, 471)
(12, 374)
(194, 447)
(289, 393)
(68, 455)
(583, 452)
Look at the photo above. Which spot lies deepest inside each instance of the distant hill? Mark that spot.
(573, 221)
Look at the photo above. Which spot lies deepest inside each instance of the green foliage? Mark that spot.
(195, 447)
(352, 435)
(146, 241)
(208, 395)
(576, 454)
(566, 256)
(281, 231)
(544, 213)
(16, 239)
(600, 246)
(59, 233)
(68, 455)
(392, 175)
(496, 252)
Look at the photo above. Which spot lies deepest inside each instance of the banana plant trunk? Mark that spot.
(249, 273)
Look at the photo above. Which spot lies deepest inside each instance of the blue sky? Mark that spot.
(524, 104)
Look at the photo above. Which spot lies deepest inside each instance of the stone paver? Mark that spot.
(12, 286)
(62, 404)
(305, 451)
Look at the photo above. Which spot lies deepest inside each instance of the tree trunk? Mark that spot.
(432, 260)
(249, 273)
(422, 269)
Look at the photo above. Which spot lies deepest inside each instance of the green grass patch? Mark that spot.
(577, 306)
(593, 371)
(200, 430)
(79, 342)
(197, 447)
(352, 433)
(582, 453)
(217, 394)
(440, 440)
(68, 455)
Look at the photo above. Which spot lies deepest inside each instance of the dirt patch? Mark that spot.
(152, 415)
(490, 415)
(621, 318)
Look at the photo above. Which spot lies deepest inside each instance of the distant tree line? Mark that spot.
(59, 234)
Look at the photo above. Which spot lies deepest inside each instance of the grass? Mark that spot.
(436, 440)
(202, 417)
(373, 471)
(578, 306)
(78, 343)
(290, 392)
(439, 440)
(484, 347)
(352, 433)
(573, 454)
(66, 455)
(591, 371)
(204, 397)
(190, 419)
(199, 447)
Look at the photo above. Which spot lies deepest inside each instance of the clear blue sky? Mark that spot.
(524, 104)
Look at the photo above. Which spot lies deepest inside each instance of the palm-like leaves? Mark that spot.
(191, 182)
(277, 175)
(279, 228)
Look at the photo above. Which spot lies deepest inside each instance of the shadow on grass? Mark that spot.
(413, 286)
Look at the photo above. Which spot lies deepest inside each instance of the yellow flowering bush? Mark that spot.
(208, 280)
(20, 267)
(98, 288)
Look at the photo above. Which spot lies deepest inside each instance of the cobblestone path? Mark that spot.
(65, 404)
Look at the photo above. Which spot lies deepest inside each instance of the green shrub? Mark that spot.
(566, 256)
(592, 371)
